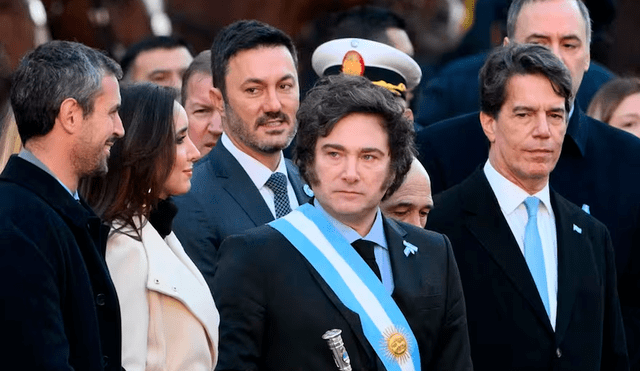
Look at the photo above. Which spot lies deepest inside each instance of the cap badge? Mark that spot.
(353, 63)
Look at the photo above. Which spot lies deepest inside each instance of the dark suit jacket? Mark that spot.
(455, 90)
(274, 306)
(508, 326)
(59, 308)
(223, 201)
(599, 166)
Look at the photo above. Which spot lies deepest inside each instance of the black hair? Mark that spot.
(150, 43)
(244, 35)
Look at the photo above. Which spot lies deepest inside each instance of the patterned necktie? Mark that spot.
(533, 250)
(278, 184)
(365, 249)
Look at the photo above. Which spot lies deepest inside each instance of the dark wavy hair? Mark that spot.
(520, 59)
(141, 162)
(335, 97)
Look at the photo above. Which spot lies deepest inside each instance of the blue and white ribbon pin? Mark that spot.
(577, 229)
(409, 248)
(307, 190)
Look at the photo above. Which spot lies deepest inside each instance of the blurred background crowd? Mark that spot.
(192, 59)
(440, 34)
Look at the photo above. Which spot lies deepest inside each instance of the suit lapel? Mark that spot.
(568, 251)
(297, 183)
(404, 269)
(487, 224)
(235, 181)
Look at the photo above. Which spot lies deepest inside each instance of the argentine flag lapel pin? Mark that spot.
(409, 248)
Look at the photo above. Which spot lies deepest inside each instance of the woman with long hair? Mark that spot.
(169, 318)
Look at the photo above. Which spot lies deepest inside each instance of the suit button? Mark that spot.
(558, 353)
(100, 299)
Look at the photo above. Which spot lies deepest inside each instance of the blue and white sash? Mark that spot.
(354, 283)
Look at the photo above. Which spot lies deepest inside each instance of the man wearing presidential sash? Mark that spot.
(337, 263)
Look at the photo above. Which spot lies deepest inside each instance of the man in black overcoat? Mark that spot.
(59, 307)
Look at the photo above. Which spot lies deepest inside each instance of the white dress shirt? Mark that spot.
(511, 200)
(259, 174)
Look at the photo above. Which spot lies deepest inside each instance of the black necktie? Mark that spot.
(365, 249)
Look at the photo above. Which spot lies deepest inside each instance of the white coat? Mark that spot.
(165, 303)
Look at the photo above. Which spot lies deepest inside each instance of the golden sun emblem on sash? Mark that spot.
(396, 344)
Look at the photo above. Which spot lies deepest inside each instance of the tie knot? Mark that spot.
(366, 250)
(531, 203)
(277, 182)
(364, 246)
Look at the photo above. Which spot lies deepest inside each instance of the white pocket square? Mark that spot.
(409, 249)
(577, 229)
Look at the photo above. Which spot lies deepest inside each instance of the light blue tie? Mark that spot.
(533, 250)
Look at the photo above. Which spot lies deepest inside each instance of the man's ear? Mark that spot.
(488, 126)
(588, 62)
(216, 98)
(408, 113)
(70, 116)
(505, 41)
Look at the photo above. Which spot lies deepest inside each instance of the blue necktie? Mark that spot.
(533, 250)
(278, 184)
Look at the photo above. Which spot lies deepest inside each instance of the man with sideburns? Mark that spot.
(391, 288)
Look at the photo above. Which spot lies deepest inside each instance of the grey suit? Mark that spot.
(223, 201)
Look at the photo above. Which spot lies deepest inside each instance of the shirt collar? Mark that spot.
(509, 195)
(376, 234)
(27, 155)
(258, 173)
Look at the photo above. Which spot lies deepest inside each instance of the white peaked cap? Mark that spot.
(375, 55)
